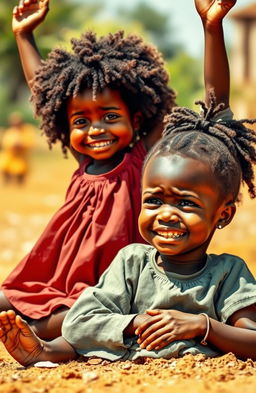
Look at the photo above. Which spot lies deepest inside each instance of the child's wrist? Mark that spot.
(205, 328)
(212, 26)
(23, 34)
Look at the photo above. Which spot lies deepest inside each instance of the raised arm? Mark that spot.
(26, 17)
(216, 67)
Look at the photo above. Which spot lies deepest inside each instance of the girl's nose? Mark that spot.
(167, 214)
(95, 130)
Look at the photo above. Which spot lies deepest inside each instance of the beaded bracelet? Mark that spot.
(204, 342)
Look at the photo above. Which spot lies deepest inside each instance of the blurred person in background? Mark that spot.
(16, 144)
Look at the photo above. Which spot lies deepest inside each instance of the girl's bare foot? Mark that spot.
(19, 339)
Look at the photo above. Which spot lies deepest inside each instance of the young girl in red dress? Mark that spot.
(104, 100)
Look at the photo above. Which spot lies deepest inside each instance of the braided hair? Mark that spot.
(124, 63)
(227, 146)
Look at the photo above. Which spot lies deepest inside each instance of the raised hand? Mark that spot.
(166, 326)
(19, 339)
(28, 14)
(213, 11)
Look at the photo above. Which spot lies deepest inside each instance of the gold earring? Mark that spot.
(136, 138)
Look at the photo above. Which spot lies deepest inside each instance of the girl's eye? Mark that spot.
(153, 201)
(187, 202)
(111, 116)
(80, 122)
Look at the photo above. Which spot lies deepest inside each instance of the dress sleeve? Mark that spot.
(238, 288)
(96, 321)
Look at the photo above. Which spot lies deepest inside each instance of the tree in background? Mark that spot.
(157, 24)
(186, 78)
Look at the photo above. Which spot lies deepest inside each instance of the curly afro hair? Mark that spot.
(227, 146)
(128, 64)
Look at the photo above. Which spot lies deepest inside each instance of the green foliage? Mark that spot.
(8, 51)
(71, 16)
(186, 78)
(156, 24)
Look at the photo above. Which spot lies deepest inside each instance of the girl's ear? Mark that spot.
(137, 121)
(226, 215)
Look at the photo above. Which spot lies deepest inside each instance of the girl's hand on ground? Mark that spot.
(28, 14)
(19, 339)
(166, 326)
(213, 11)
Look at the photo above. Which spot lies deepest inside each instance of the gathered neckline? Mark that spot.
(110, 173)
(176, 276)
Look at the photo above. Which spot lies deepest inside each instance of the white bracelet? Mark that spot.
(204, 342)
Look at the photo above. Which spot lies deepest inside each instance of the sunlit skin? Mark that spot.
(155, 328)
(100, 128)
(181, 207)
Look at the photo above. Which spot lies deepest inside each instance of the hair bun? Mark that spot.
(202, 125)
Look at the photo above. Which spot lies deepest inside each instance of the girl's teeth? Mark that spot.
(101, 144)
(170, 235)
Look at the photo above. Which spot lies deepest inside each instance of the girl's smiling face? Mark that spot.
(102, 127)
(181, 207)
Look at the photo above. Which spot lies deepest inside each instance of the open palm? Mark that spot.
(213, 10)
(28, 15)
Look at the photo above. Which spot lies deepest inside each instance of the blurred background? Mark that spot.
(34, 188)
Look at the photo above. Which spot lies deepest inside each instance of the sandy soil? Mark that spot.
(195, 374)
(23, 214)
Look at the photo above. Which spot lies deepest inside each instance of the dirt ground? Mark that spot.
(24, 211)
(195, 374)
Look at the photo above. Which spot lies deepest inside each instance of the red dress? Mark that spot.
(99, 217)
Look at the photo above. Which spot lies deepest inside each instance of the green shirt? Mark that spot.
(133, 283)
